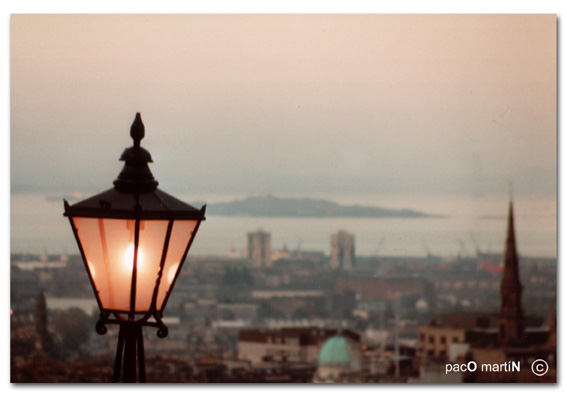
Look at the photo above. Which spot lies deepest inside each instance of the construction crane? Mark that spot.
(479, 252)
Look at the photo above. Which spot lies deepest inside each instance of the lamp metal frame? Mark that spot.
(135, 196)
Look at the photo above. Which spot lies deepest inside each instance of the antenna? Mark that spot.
(511, 190)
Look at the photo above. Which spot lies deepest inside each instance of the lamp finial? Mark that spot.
(136, 176)
(137, 131)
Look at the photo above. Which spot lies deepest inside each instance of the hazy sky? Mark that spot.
(297, 104)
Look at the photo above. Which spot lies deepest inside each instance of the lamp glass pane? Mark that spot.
(152, 237)
(180, 236)
(104, 243)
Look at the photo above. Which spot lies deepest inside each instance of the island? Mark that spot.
(271, 206)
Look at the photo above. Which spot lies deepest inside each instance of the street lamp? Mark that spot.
(133, 239)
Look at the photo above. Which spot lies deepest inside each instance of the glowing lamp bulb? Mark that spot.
(129, 257)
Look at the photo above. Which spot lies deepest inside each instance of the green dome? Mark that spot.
(334, 351)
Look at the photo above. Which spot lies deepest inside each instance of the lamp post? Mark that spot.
(133, 239)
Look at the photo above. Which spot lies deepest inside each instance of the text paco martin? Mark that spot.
(472, 366)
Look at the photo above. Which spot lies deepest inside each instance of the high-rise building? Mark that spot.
(342, 250)
(259, 249)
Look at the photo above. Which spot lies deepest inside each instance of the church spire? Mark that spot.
(511, 273)
(42, 333)
(511, 330)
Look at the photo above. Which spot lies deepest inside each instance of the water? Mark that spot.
(38, 226)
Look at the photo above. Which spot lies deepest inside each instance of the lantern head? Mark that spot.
(133, 239)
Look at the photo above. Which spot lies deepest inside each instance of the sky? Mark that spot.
(287, 104)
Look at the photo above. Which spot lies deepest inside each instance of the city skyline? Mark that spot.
(296, 104)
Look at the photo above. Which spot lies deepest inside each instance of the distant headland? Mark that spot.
(271, 206)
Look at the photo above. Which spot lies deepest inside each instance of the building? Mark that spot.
(42, 333)
(340, 357)
(437, 341)
(259, 249)
(511, 319)
(342, 251)
(516, 343)
(446, 332)
(386, 289)
(292, 344)
(493, 340)
(373, 297)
